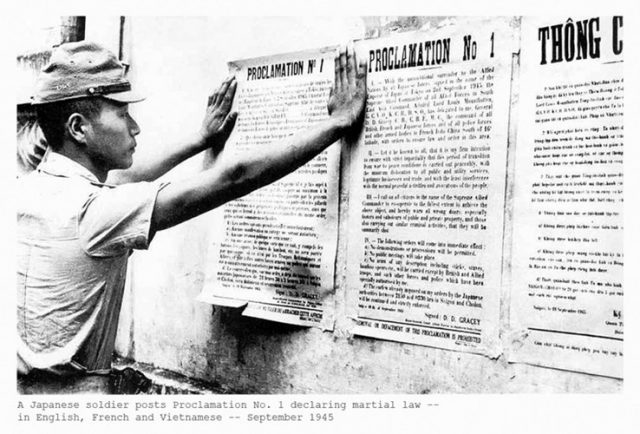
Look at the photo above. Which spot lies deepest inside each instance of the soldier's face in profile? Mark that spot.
(111, 136)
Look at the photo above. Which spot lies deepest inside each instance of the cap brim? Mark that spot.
(128, 96)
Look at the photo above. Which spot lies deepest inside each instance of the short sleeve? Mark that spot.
(115, 220)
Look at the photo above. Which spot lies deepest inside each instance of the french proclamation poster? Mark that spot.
(273, 251)
(567, 294)
(426, 204)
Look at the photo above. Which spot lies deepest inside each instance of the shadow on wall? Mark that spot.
(256, 347)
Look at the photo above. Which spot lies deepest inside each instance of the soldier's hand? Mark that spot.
(349, 93)
(219, 120)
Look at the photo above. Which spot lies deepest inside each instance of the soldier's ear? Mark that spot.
(77, 127)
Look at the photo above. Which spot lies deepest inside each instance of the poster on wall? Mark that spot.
(274, 250)
(567, 286)
(427, 190)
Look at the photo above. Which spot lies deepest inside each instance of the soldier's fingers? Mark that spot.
(337, 79)
(213, 98)
(361, 72)
(351, 65)
(219, 94)
(226, 100)
(343, 66)
(361, 75)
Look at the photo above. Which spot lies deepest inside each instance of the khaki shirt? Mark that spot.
(75, 235)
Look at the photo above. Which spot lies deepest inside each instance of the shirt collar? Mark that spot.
(58, 165)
